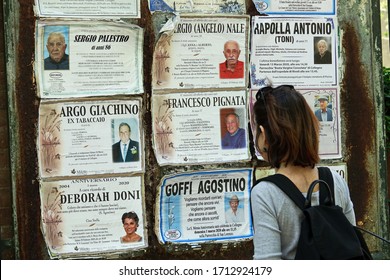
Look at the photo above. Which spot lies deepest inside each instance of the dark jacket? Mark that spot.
(131, 155)
(52, 65)
(326, 59)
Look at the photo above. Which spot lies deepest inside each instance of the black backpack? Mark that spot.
(325, 231)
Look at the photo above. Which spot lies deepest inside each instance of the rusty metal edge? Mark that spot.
(11, 19)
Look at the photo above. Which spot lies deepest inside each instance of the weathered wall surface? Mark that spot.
(6, 221)
(362, 110)
(362, 135)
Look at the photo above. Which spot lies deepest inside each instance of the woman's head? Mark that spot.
(289, 126)
(130, 221)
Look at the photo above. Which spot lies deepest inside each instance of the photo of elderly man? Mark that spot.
(56, 47)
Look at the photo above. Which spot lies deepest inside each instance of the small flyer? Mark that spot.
(88, 9)
(88, 58)
(194, 52)
(90, 137)
(200, 127)
(198, 6)
(340, 168)
(294, 7)
(298, 51)
(325, 105)
(93, 215)
(205, 206)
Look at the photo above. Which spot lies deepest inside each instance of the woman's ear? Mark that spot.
(263, 138)
(261, 128)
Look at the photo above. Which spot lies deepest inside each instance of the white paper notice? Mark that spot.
(208, 127)
(82, 216)
(285, 50)
(325, 105)
(88, 59)
(296, 7)
(205, 206)
(88, 137)
(198, 6)
(194, 52)
(88, 9)
(339, 168)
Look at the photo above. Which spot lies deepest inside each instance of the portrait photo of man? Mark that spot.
(231, 68)
(234, 214)
(56, 46)
(126, 149)
(234, 137)
(324, 113)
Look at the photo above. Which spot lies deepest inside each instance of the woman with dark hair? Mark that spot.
(287, 136)
(130, 224)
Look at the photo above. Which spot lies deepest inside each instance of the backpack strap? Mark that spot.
(288, 187)
(325, 174)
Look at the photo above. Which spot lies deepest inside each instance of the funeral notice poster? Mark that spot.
(205, 206)
(93, 215)
(325, 105)
(201, 52)
(90, 137)
(198, 6)
(88, 9)
(88, 58)
(294, 7)
(299, 51)
(200, 127)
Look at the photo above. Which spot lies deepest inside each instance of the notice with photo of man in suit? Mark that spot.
(90, 137)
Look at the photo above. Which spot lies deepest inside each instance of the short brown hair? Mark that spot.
(130, 215)
(291, 128)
